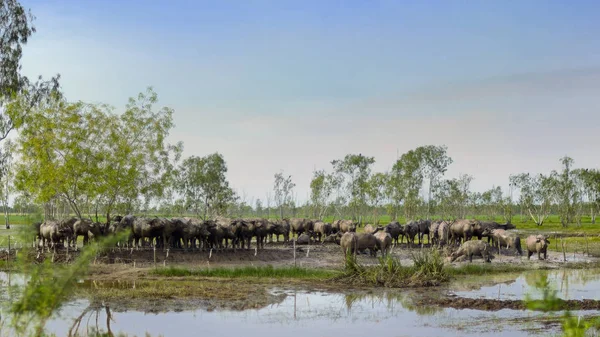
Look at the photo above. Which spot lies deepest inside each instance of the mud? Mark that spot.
(278, 254)
(496, 305)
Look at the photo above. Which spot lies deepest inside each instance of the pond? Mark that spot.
(301, 312)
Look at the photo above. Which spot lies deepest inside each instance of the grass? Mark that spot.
(428, 270)
(577, 244)
(250, 271)
(15, 219)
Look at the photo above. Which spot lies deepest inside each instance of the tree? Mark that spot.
(268, 198)
(83, 153)
(435, 162)
(579, 202)
(394, 190)
(493, 202)
(355, 170)
(463, 184)
(338, 200)
(406, 180)
(60, 156)
(376, 192)
(565, 191)
(321, 189)
(590, 181)
(283, 190)
(514, 186)
(6, 176)
(204, 186)
(478, 203)
(507, 202)
(444, 192)
(453, 197)
(536, 195)
(143, 133)
(258, 207)
(17, 90)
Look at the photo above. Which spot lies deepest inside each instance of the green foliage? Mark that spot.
(572, 326)
(429, 265)
(565, 191)
(536, 195)
(59, 150)
(17, 27)
(376, 192)
(590, 181)
(203, 184)
(322, 186)
(84, 153)
(406, 181)
(435, 162)
(48, 284)
(427, 270)
(144, 152)
(283, 190)
(453, 197)
(355, 171)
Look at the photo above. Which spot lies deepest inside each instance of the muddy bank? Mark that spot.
(495, 305)
(278, 254)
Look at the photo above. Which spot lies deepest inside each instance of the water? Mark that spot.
(311, 313)
(302, 313)
(570, 284)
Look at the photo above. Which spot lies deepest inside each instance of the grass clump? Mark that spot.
(429, 267)
(250, 271)
(428, 270)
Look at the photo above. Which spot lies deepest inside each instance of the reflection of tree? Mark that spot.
(566, 277)
(89, 312)
(534, 278)
(391, 298)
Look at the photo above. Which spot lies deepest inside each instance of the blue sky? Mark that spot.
(509, 86)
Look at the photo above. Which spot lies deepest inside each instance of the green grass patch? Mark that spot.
(242, 272)
(576, 244)
(428, 270)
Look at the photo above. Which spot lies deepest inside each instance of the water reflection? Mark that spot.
(90, 328)
(301, 312)
(569, 283)
(391, 300)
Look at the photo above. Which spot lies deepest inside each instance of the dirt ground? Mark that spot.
(318, 255)
(309, 256)
(495, 305)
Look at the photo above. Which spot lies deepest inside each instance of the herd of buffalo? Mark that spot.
(225, 233)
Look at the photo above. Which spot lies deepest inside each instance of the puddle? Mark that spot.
(316, 313)
(570, 284)
(304, 313)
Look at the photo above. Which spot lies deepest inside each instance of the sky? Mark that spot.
(508, 86)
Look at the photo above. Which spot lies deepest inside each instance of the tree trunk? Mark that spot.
(429, 198)
(6, 215)
(593, 216)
